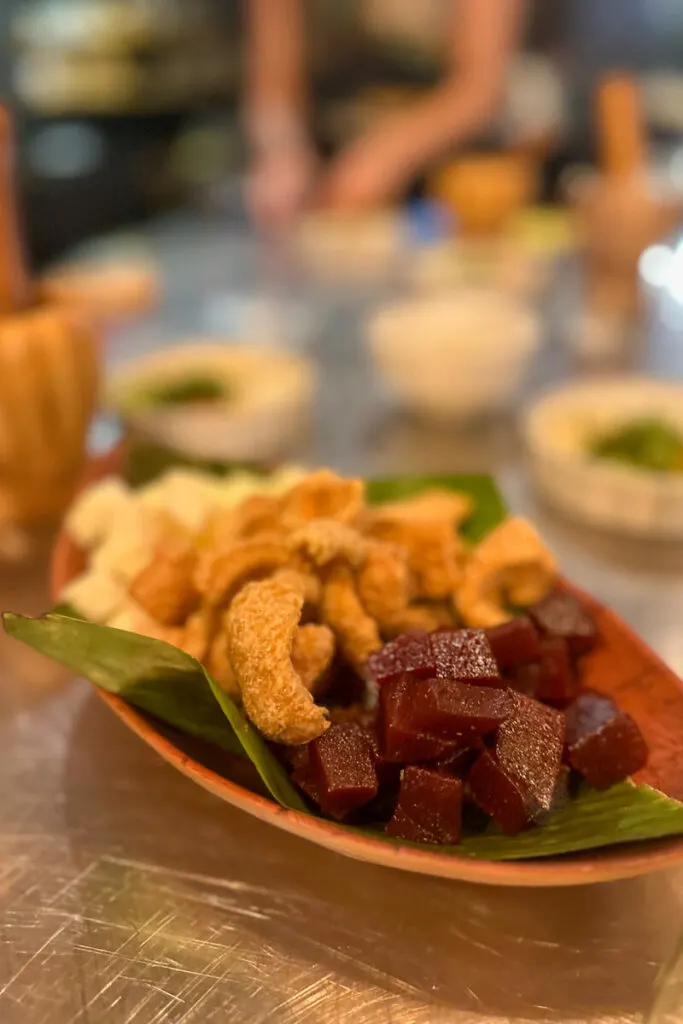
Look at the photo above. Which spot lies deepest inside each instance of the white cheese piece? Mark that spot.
(129, 547)
(95, 595)
(91, 516)
(134, 619)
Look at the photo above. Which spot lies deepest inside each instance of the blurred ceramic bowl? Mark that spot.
(228, 402)
(480, 263)
(108, 291)
(557, 431)
(485, 190)
(350, 249)
(455, 355)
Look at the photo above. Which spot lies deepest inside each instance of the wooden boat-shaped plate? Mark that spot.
(623, 666)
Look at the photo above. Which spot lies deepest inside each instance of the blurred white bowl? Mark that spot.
(268, 400)
(557, 430)
(499, 264)
(342, 249)
(455, 355)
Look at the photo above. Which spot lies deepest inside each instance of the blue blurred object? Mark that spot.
(428, 222)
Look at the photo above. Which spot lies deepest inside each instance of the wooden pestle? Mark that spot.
(14, 284)
(621, 130)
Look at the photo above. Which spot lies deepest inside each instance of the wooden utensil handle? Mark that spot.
(14, 285)
(621, 130)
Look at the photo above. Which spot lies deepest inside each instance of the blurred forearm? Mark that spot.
(275, 98)
(483, 37)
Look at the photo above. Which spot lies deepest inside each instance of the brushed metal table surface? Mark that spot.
(130, 896)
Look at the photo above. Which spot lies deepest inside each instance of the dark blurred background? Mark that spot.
(127, 107)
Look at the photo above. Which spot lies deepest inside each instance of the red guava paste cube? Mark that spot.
(514, 642)
(408, 655)
(465, 655)
(561, 614)
(602, 743)
(561, 797)
(400, 740)
(458, 711)
(460, 761)
(495, 792)
(429, 808)
(340, 776)
(525, 678)
(529, 747)
(557, 681)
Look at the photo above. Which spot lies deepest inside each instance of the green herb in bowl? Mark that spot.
(649, 444)
(185, 390)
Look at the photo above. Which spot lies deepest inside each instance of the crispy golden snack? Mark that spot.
(510, 563)
(261, 625)
(220, 575)
(383, 581)
(435, 505)
(322, 541)
(301, 578)
(165, 588)
(197, 633)
(219, 664)
(434, 554)
(312, 653)
(322, 495)
(427, 617)
(254, 517)
(357, 634)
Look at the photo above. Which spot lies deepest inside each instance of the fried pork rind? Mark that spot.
(434, 505)
(301, 578)
(341, 609)
(261, 625)
(197, 634)
(312, 653)
(423, 617)
(322, 541)
(255, 517)
(165, 588)
(434, 554)
(322, 495)
(220, 575)
(383, 581)
(510, 563)
(219, 664)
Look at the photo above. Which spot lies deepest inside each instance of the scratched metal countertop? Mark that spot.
(130, 896)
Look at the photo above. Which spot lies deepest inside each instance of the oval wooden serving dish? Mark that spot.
(622, 666)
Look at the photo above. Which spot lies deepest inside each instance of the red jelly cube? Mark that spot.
(401, 741)
(495, 792)
(557, 680)
(529, 748)
(458, 711)
(408, 655)
(603, 743)
(561, 614)
(460, 761)
(514, 642)
(525, 679)
(429, 808)
(465, 655)
(561, 797)
(340, 776)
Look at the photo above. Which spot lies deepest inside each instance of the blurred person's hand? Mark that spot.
(280, 183)
(368, 173)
